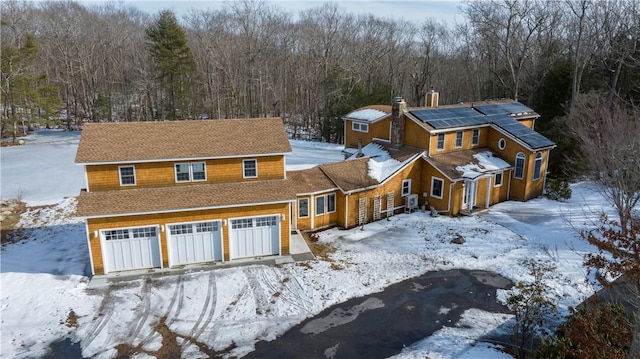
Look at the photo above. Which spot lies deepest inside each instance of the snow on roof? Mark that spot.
(487, 162)
(367, 114)
(381, 164)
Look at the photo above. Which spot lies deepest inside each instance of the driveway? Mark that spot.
(381, 324)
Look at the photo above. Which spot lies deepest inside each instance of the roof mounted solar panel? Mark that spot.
(440, 118)
(510, 108)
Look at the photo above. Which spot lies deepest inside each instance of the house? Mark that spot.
(473, 154)
(168, 194)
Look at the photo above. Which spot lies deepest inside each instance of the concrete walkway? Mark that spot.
(299, 251)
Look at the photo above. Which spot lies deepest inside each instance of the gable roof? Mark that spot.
(383, 162)
(467, 163)
(501, 115)
(311, 180)
(188, 139)
(350, 175)
(370, 114)
(183, 198)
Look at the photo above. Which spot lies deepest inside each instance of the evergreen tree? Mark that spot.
(174, 63)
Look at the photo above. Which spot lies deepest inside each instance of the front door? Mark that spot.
(469, 195)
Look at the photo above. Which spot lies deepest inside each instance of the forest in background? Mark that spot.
(65, 63)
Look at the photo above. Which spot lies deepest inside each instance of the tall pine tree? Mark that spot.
(174, 65)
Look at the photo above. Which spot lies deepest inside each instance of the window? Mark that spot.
(436, 187)
(303, 207)
(319, 205)
(458, 139)
(242, 223)
(181, 228)
(519, 171)
(250, 168)
(502, 143)
(498, 180)
(191, 172)
(475, 138)
(406, 187)
(117, 234)
(127, 175)
(331, 202)
(266, 221)
(360, 127)
(440, 141)
(537, 165)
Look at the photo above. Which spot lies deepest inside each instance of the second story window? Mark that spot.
(440, 141)
(191, 172)
(537, 166)
(250, 168)
(458, 139)
(360, 127)
(127, 175)
(475, 138)
(519, 171)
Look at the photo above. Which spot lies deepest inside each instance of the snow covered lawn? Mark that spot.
(45, 296)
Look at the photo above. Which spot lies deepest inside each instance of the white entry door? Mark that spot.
(130, 248)
(252, 237)
(194, 243)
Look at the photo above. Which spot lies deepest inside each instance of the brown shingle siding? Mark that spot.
(152, 141)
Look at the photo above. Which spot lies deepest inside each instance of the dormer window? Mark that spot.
(360, 127)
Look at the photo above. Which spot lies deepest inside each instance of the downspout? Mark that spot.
(86, 225)
(546, 171)
(486, 205)
(509, 186)
(346, 210)
(313, 214)
(450, 191)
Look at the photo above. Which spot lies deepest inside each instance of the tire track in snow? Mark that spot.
(143, 308)
(198, 329)
(301, 292)
(259, 296)
(105, 311)
(176, 298)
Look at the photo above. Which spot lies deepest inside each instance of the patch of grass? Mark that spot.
(10, 212)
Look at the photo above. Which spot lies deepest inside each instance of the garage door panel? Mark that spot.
(129, 249)
(251, 237)
(195, 243)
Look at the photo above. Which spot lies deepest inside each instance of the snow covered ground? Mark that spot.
(45, 296)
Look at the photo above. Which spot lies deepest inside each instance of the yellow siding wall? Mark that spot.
(529, 122)
(518, 186)
(162, 174)
(450, 141)
(440, 204)
(97, 224)
(416, 135)
(351, 202)
(380, 129)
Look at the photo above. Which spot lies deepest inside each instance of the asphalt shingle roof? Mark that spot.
(154, 141)
(311, 180)
(164, 199)
(350, 175)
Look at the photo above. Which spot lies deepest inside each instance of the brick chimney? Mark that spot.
(398, 106)
(432, 98)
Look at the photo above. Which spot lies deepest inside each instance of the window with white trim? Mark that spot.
(440, 145)
(459, 139)
(519, 170)
(191, 172)
(498, 179)
(475, 138)
(331, 202)
(360, 127)
(406, 187)
(249, 168)
(127, 175)
(319, 205)
(502, 143)
(537, 166)
(436, 187)
(303, 208)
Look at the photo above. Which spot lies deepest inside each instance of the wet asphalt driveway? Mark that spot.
(381, 324)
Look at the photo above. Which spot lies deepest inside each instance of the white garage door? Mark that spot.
(131, 248)
(251, 237)
(194, 243)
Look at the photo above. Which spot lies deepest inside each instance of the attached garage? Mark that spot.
(194, 243)
(255, 236)
(131, 248)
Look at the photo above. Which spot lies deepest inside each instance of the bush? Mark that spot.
(593, 331)
(557, 189)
